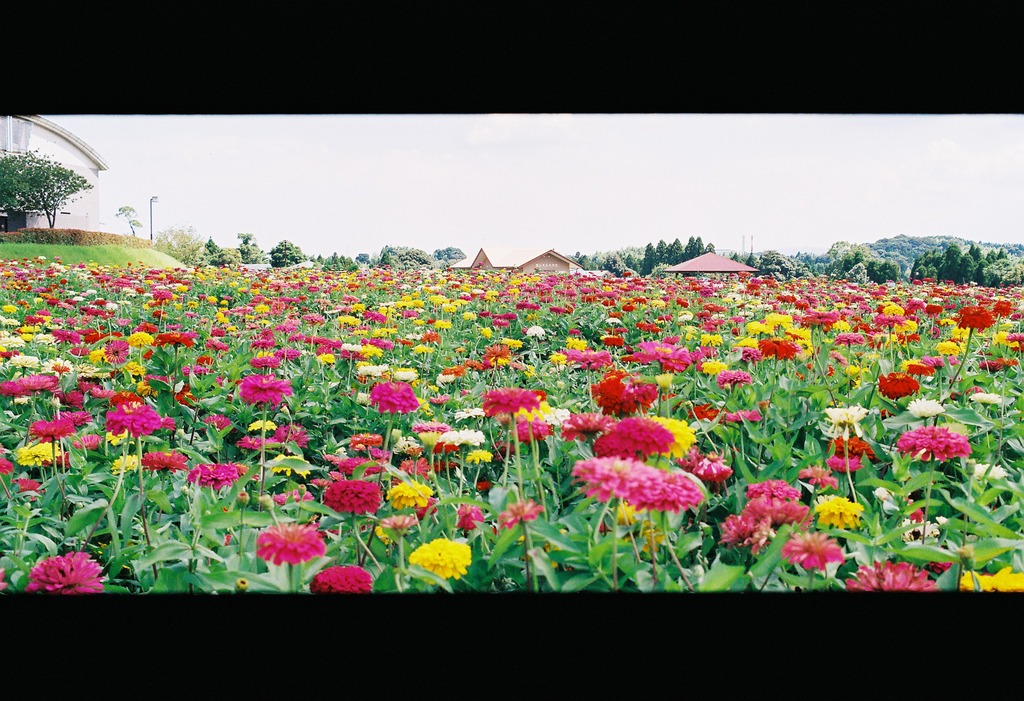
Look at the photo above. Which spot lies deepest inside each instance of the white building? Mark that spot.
(25, 133)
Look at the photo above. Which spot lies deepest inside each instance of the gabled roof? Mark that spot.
(710, 263)
(510, 257)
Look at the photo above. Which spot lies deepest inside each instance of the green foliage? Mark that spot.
(336, 262)
(225, 258)
(250, 252)
(779, 266)
(182, 243)
(406, 258)
(73, 237)
(31, 182)
(449, 254)
(286, 253)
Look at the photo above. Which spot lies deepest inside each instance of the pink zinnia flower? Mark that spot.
(729, 379)
(345, 579)
(649, 488)
(586, 425)
(394, 398)
(820, 477)
(890, 576)
(712, 469)
(88, 442)
(216, 475)
(509, 400)
(218, 421)
(469, 516)
(74, 573)
(170, 460)
(353, 496)
(772, 488)
(604, 478)
(50, 431)
(264, 389)
(812, 550)
(39, 383)
(135, 418)
(532, 430)
(294, 543)
(933, 442)
(6, 466)
(518, 511)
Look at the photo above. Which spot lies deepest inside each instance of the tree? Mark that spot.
(226, 258)
(128, 214)
(674, 253)
(648, 263)
(184, 244)
(449, 254)
(211, 249)
(286, 253)
(250, 252)
(363, 258)
(30, 182)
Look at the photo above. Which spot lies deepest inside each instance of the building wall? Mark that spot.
(82, 212)
(547, 263)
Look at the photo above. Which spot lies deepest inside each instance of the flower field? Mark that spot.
(212, 431)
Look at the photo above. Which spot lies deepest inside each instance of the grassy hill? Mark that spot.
(105, 254)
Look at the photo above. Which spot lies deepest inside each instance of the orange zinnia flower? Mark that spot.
(897, 384)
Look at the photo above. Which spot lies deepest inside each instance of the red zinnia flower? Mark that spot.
(290, 542)
(346, 579)
(74, 573)
(974, 317)
(175, 338)
(896, 385)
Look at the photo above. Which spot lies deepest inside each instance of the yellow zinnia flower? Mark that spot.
(839, 512)
(405, 495)
(443, 557)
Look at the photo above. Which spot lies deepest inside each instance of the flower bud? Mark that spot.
(243, 498)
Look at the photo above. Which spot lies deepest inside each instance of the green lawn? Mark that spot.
(100, 255)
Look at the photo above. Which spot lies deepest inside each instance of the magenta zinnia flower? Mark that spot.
(294, 543)
(469, 516)
(216, 475)
(135, 418)
(812, 550)
(509, 400)
(346, 579)
(890, 576)
(170, 460)
(74, 573)
(634, 436)
(353, 496)
(394, 398)
(728, 379)
(933, 442)
(264, 389)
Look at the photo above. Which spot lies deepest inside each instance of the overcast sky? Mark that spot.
(583, 183)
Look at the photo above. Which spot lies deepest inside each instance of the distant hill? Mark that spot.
(903, 249)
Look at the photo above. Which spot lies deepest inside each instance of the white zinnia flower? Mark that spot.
(474, 412)
(844, 419)
(925, 408)
(466, 436)
(535, 331)
(986, 398)
(405, 374)
(25, 361)
(372, 370)
(985, 471)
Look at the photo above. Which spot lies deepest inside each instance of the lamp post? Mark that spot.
(152, 199)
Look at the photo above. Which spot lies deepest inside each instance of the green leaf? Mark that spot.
(988, 548)
(86, 516)
(166, 551)
(979, 515)
(927, 553)
(234, 519)
(721, 577)
(159, 497)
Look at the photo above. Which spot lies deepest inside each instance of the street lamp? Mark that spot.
(152, 199)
